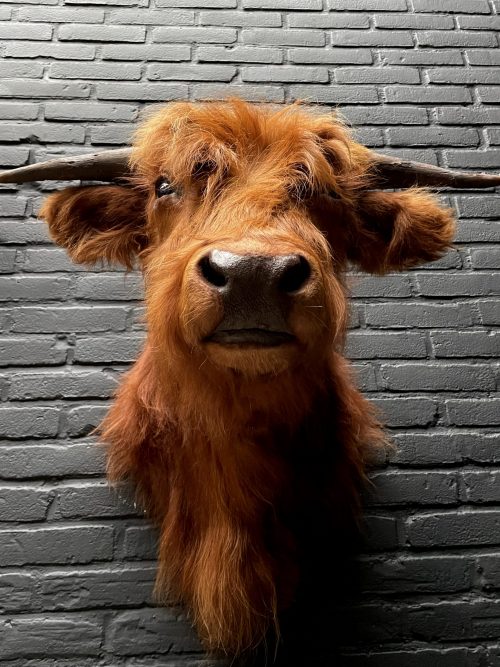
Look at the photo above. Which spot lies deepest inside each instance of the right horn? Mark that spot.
(102, 166)
(391, 172)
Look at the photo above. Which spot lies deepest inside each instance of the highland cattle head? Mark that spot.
(240, 410)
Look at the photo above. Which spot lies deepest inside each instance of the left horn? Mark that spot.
(391, 172)
(103, 166)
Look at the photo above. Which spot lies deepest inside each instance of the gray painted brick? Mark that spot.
(324, 56)
(61, 384)
(485, 258)
(465, 343)
(416, 377)
(191, 72)
(39, 288)
(104, 287)
(406, 411)
(488, 94)
(23, 31)
(428, 95)
(86, 111)
(32, 88)
(23, 111)
(357, 38)
(473, 412)
(109, 349)
(99, 587)
(82, 420)
(422, 315)
(42, 132)
(104, 33)
(244, 54)
(41, 351)
(440, 136)
(49, 545)
(285, 74)
(322, 20)
(25, 637)
(480, 486)
(68, 319)
(276, 37)
(334, 94)
(241, 19)
(468, 116)
(62, 459)
(450, 38)
(490, 311)
(61, 15)
(140, 543)
(18, 69)
(159, 92)
(453, 6)
(203, 4)
(198, 35)
(416, 574)
(368, 5)
(296, 5)
(28, 422)
(95, 71)
(487, 75)
(220, 91)
(483, 57)
(20, 49)
(146, 631)
(7, 260)
(414, 22)
(475, 159)
(355, 75)
(372, 345)
(151, 17)
(93, 499)
(449, 529)
(14, 157)
(146, 52)
(21, 503)
(115, 134)
(420, 57)
(466, 284)
(414, 488)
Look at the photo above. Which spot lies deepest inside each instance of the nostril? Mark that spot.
(212, 274)
(295, 275)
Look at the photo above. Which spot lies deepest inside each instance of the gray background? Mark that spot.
(416, 78)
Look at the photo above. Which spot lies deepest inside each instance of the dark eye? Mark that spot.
(163, 188)
(333, 195)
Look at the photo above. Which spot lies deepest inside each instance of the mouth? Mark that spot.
(250, 337)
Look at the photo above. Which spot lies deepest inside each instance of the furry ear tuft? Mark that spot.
(98, 223)
(398, 230)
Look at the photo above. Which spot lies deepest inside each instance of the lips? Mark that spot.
(255, 337)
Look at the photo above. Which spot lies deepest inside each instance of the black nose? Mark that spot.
(228, 272)
(256, 292)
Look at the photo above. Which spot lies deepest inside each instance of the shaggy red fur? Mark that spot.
(228, 444)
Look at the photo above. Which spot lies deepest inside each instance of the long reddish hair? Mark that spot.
(227, 447)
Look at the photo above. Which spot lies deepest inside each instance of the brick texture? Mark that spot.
(416, 78)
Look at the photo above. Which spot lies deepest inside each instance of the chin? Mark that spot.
(252, 359)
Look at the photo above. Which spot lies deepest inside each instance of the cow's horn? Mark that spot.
(103, 166)
(391, 172)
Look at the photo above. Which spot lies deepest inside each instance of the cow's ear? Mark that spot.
(98, 223)
(397, 230)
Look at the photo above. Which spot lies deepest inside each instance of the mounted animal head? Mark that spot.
(243, 218)
(240, 412)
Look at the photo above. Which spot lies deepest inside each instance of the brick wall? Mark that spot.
(416, 78)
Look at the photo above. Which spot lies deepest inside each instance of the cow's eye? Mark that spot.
(333, 195)
(163, 187)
